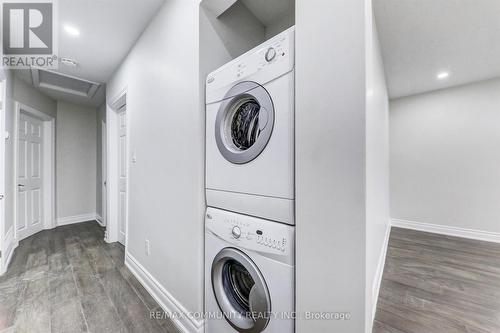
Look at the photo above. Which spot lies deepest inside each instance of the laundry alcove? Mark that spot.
(229, 28)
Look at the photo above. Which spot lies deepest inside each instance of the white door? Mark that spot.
(122, 175)
(29, 176)
(104, 173)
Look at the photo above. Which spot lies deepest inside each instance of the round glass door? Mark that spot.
(244, 122)
(240, 291)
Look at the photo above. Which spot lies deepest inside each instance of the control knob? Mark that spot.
(270, 54)
(236, 232)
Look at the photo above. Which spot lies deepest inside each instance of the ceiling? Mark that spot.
(420, 38)
(108, 30)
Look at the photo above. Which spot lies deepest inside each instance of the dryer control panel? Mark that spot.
(251, 233)
(262, 64)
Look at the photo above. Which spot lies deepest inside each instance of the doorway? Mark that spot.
(117, 170)
(34, 171)
(122, 173)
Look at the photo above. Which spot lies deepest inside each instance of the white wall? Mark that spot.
(330, 163)
(166, 126)
(445, 157)
(282, 23)
(75, 160)
(227, 36)
(377, 168)
(26, 94)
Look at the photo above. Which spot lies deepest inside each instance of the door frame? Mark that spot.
(112, 224)
(3, 163)
(49, 164)
(104, 173)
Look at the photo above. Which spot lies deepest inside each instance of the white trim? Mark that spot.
(180, 317)
(380, 271)
(76, 219)
(487, 236)
(99, 220)
(49, 193)
(3, 164)
(119, 100)
(104, 172)
(8, 250)
(112, 178)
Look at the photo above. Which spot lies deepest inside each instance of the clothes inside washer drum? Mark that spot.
(237, 283)
(245, 125)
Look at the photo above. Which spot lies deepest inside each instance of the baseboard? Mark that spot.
(179, 315)
(75, 219)
(380, 271)
(99, 220)
(448, 231)
(8, 251)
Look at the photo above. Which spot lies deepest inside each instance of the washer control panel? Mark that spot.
(278, 244)
(250, 232)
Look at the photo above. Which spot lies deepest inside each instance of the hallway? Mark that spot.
(69, 280)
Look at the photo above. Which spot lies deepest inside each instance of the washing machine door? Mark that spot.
(244, 123)
(241, 291)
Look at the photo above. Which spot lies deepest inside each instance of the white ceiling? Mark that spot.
(420, 38)
(108, 30)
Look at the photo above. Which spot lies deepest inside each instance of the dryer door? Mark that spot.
(244, 123)
(241, 291)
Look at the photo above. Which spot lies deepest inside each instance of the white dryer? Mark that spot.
(250, 132)
(249, 274)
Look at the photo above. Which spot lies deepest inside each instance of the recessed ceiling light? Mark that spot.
(443, 75)
(72, 31)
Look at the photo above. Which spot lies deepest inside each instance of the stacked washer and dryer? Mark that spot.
(250, 191)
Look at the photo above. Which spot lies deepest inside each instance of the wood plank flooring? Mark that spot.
(69, 280)
(439, 284)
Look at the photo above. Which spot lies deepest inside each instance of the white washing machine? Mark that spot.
(250, 132)
(249, 274)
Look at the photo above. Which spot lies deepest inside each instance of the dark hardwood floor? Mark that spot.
(69, 280)
(439, 284)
